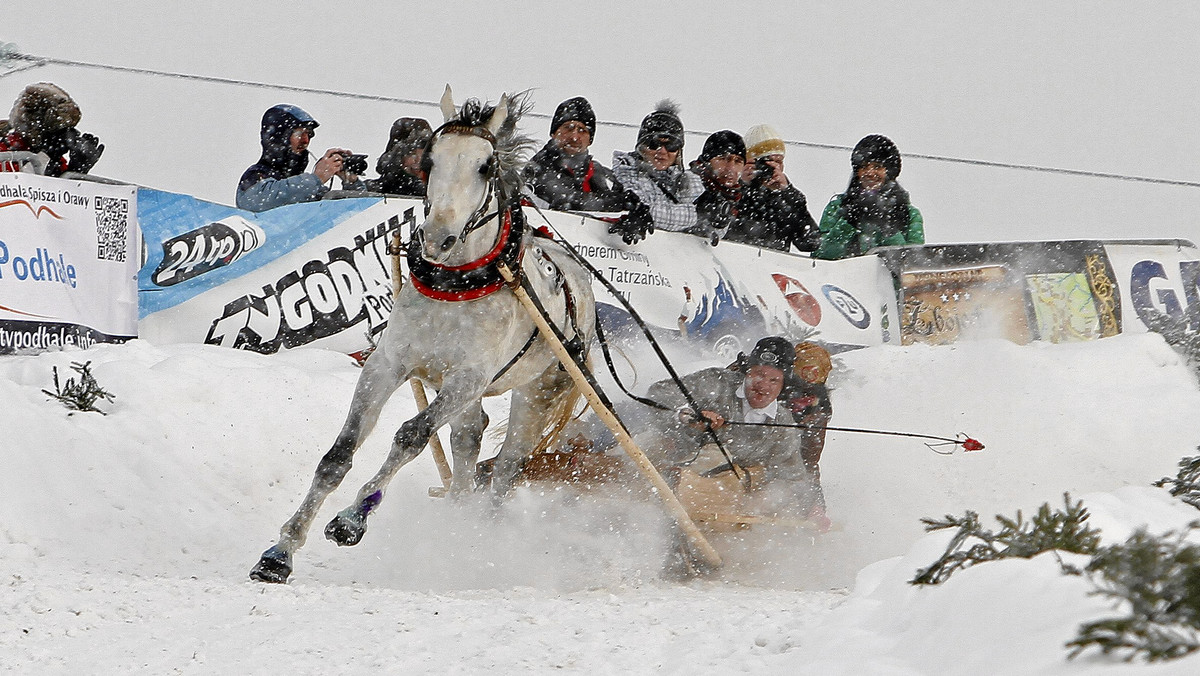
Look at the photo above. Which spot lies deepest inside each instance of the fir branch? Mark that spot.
(1186, 484)
(1157, 580)
(82, 395)
(1048, 530)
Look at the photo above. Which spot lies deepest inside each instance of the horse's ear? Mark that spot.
(499, 115)
(447, 104)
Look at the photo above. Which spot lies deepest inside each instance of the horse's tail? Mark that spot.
(560, 412)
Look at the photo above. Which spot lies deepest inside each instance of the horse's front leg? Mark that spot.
(459, 392)
(381, 375)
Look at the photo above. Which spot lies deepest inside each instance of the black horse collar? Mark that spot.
(478, 278)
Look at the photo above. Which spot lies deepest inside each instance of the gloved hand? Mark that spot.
(85, 151)
(716, 213)
(635, 225)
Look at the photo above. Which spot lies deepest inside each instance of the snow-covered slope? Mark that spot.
(125, 539)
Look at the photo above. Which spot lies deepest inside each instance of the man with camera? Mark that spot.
(279, 177)
(40, 135)
(773, 214)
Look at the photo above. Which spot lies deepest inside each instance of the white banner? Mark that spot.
(732, 293)
(318, 274)
(68, 263)
(1156, 277)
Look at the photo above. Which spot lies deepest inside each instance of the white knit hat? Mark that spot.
(763, 140)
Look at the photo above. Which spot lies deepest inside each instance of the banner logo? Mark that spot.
(207, 248)
(1151, 292)
(854, 312)
(803, 303)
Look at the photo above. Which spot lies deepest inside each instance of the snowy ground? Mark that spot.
(125, 539)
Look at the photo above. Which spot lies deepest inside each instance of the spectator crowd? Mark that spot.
(736, 189)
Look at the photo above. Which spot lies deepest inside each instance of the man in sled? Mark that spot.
(754, 389)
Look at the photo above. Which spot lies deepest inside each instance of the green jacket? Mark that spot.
(837, 234)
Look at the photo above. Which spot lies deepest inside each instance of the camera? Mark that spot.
(354, 164)
(763, 171)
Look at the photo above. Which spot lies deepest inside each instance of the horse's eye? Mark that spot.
(486, 167)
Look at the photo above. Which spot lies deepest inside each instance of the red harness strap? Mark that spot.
(453, 282)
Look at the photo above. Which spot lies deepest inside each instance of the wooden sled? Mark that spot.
(722, 503)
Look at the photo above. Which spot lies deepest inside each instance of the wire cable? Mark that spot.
(11, 54)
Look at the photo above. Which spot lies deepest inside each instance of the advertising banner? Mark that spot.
(307, 274)
(1022, 291)
(732, 294)
(1156, 277)
(319, 273)
(68, 259)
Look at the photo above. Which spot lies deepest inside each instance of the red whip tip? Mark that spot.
(970, 444)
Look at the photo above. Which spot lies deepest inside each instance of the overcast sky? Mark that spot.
(1095, 86)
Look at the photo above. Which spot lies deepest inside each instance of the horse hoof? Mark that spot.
(345, 530)
(275, 566)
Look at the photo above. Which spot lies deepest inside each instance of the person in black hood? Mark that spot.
(399, 166)
(279, 176)
(874, 210)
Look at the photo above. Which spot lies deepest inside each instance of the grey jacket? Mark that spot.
(776, 449)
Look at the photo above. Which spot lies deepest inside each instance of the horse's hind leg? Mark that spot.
(379, 378)
(537, 408)
(466, 436)
(457, 393)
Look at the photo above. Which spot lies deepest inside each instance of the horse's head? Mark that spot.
(472, 165)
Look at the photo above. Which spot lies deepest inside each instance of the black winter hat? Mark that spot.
(876, 148)
(577, 109)
(723, 142)
(664, 121)
(773, 351)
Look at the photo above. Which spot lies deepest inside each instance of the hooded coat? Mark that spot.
(279, 178)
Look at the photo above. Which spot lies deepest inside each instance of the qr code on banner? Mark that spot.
(112, 228)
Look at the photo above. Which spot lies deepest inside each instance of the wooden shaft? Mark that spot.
(418, 388)
(676, 509)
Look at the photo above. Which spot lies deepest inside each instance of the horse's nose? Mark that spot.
(448, 243)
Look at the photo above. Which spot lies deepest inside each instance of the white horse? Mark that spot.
(458, 328)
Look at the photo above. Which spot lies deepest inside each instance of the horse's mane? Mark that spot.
(511, 146)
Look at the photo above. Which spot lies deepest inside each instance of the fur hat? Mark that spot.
(880, 149)
(772, 351)
(407, 135)
(42, 110)
(763, 140)
(664, 121)
(812, 354)
(577, 109)
(720, 143)
(410, 133)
